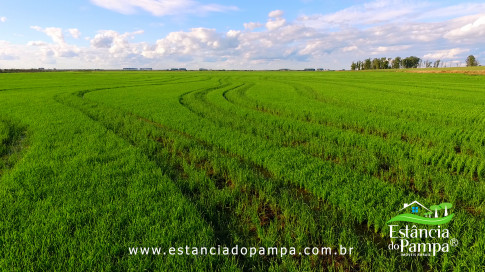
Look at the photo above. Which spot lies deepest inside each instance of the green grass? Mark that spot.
(95, 163)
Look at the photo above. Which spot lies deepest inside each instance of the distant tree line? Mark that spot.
(398, 63)
(23, 70)
(386, 63)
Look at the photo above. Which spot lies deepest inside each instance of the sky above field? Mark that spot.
(249, 34)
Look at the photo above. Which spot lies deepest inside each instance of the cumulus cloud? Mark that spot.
(8, 51)
(251, 25)
(469, 28)
(5, 56)
(116, 43)
(384, 50)
(273, 24)
(196, 42)
(301, 42)
(75, 33)
(350, 48)
(275, 20)
(276, 13)
(383, 28)
(55, 33)
(446, 54)
(37, 43)
(3, 19)
(59, 47)
(161, 7)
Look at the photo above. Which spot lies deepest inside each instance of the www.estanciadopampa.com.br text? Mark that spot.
(237, 250)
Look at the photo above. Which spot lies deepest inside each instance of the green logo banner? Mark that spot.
(408, 217)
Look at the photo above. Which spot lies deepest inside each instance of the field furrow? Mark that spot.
(230, 191)
(337, 190)
(395, 162)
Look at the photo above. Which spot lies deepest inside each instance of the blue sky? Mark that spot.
(235, 34)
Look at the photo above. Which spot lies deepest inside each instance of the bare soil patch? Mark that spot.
(468, 72)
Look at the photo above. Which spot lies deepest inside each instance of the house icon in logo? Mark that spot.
(415, 209)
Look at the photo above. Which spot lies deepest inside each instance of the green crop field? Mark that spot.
(96, 164)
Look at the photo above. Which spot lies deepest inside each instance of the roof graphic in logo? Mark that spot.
(429, 218)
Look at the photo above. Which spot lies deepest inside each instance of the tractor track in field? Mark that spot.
(424, 192)
(346, 127)
(266, 214)
(358, 129)
(467, 155)
(176, 173)
(318, 96)
(477, 120)
(387, 173)
(269, 212)
(254, 159)
(13, 147)
(158, 83)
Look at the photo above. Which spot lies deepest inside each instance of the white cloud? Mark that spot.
(276, 13)
(8, 51)
(446, 54)
(161, 7)
(376, 29)
(37, 43)
(197, 42)
(469, 28)
(275, 20)
(273, 24)
(57, 49)
(3, 19)
(75, 33)
(454, 11)
(4, 56)
(383, 50)
(117, 44)
(372, 13)
(350, 48)
(384, 12)
(55, 33)
(251, 26)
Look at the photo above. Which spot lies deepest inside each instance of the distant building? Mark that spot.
(146, 69)
(182, 69)
(130, 69)
(174, 69)
(309, 69)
